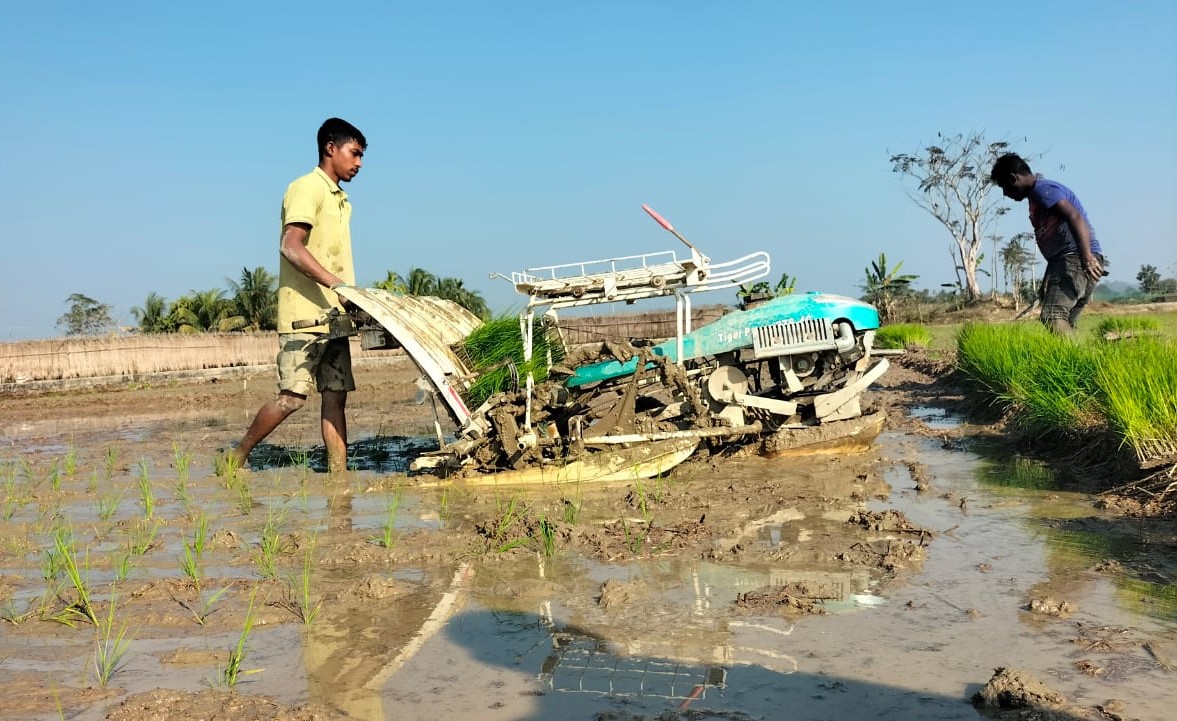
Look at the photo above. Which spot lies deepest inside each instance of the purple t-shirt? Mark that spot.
(1051, 230)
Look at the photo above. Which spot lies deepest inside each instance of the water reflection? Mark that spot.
(1019, 472)
(934, 417)
(1079, 541)
(531, 665)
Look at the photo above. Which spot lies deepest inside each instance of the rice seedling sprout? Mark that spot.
(143, 536)
(26, 471)
(123, 563)
(203, 608)
(78, 575)
(388, 534)
(110, 461)
(270, 543)
(509, 512)
(182, 460)
(232, 671)
(243, 494)
(146, 490)
(190, 565)
(547, 531)
(111, 644)
(643, 503)
(307, 608)
(1135, 379)
(108, 504)
(12, 495)
(70, 462)
(228, 468)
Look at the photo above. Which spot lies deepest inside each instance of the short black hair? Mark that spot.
(1007, 165)
(339, 131)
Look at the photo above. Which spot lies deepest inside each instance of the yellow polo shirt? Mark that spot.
(319, 202)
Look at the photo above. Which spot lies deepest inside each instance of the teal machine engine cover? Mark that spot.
(734, 331)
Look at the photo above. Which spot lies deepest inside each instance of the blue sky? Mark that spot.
(150, 143)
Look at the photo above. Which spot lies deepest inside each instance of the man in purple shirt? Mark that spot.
(1074, 259)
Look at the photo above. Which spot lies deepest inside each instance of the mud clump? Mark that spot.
(630, 539)
(1048, 606)
(373, 587)
(1010, 689)
(798, 596)
(1013, 695)
(919, 476)
(888, 554)
(613, 593)
(890, 521)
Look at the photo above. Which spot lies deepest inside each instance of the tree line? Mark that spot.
(249, 303)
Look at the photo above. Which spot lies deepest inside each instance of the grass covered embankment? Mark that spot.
(1075, 388)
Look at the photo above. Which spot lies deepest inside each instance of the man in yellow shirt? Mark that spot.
(315, 260)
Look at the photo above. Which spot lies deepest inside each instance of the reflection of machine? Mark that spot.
(786, 373)
(700, 648)
(583, 664)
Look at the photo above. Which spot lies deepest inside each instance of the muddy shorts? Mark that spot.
(1066, 288)
(305, 363)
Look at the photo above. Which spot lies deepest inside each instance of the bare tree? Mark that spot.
(1018, 262)
(952, 181)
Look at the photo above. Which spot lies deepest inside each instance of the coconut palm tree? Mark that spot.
(256, 298)
(454, 289)
(393, 283)
(152, 316)
(205, 311)
(421, 282)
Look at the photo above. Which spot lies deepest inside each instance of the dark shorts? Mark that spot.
(1066, 288)
(305, 362)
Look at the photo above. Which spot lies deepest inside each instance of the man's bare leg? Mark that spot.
(334, 421)
(268, 417)
(1060, 326)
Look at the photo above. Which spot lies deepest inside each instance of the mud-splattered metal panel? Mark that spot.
(426, 328)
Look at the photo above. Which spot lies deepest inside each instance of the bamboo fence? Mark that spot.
(137, 356)
(134, 355)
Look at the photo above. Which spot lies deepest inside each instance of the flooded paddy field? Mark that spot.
(889, 584)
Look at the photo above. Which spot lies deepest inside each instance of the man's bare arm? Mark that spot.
(1082, 232)
(294, 249)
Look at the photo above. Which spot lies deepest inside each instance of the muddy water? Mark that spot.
(913, 650)
(407, 633)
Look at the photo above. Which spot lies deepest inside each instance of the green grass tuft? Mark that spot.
(1121, 325)
(1138, 388)
(903, 335)
(1059, 385)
